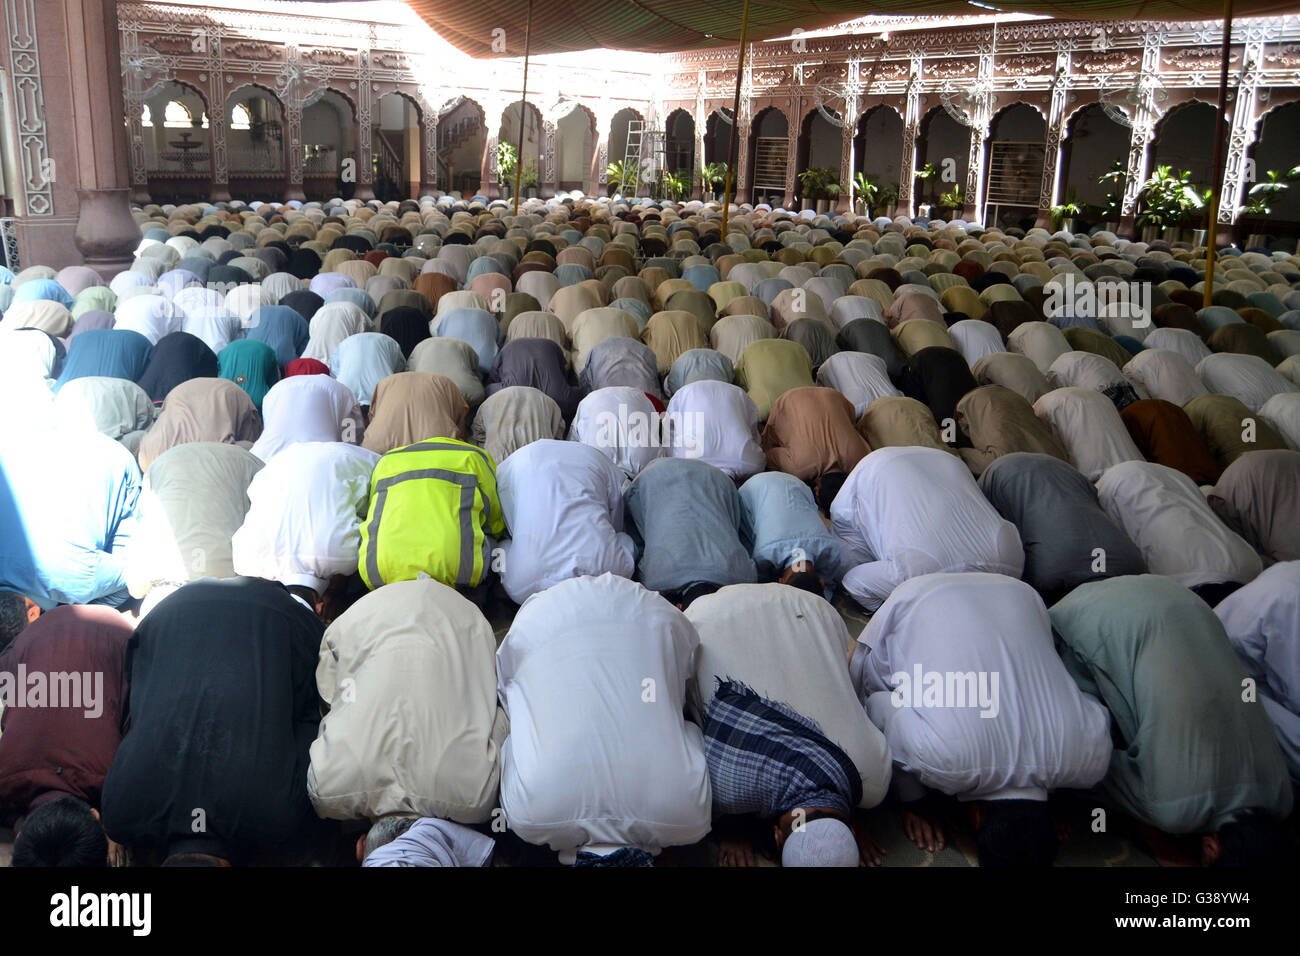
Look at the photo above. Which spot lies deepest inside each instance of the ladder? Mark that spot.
(644, 155)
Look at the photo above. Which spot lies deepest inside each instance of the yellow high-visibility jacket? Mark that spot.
(433, 508)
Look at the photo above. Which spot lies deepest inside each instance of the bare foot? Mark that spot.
(925, 831)
(734, 852)
(870, 852)
(1168, 850)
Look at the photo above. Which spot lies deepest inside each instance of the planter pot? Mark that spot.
(1199, 236)
(1170, 234)
(530, 192)
(1067, 225)
(823, 206)
(1109, 226)
(1256, 239)
(1150, 233)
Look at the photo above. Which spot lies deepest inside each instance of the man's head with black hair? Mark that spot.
(684, 598)
(827, 487)
(1252, 838)
(1016, 833)
(806, 581)
(16, 612)
(63, 832)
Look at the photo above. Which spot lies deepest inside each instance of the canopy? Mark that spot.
(669, 26)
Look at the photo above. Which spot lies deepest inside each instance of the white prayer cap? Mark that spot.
(821, 842)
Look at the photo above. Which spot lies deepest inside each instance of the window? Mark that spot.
(146, 118)
(177, 116)
(240, 118)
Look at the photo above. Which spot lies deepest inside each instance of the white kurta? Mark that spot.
(1245, 377)
(307, 408)
(1166, 375)
(1169, 520)
(858, 376)
(409, 672)
(1282, 411)
(593, 678)
(996, 715)
(907, 510)
(975, 339)
(623, 424)
(304, 521)
(717, 423)
(1263, 623)
(789, 646)
(1088, 426)
(1187, 344)
(563, 505)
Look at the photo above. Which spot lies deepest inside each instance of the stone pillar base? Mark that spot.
(107, 233)
(968, 212)
(364, 192)
(140, 194)
(1127, 229)
(221, 192)
(1044, 220)
(294, 191)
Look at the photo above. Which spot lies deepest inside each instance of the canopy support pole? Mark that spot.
(733, 146)
(523, 104)
(1221, 131)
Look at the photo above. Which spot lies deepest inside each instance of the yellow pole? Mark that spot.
(1221, 128)
(523, 105)
(733, 147)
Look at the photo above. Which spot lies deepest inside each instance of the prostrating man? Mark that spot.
(433, 508)
(1258, 496)
(685, 516)
(959, 672)
(195, 498)
(811, 432)
(68, 508)
(221, 713)
(599, 764)
(1193, 753)
(1179, 535)
(624, 424)
(784, 735)
(563, 506)
(1263, 623)
(404, 840)
(62, 691)
(303, 523)
(413, 728)
(910, 510)
(717, 423)
(1068, 539)
(785, 535)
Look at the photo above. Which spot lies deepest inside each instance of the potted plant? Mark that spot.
(1168, 199)
(952, 201)
(1063, 213)
(831, 191)
(923, 176)
(507, 158)
(811, 181)
(866, 193)
(528, 179)
(713, 176)
(1113, 208)
(675, 185)
(616, 177)
(1262, 197)
(887, 203)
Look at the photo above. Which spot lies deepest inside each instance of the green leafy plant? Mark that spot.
(953, 198)
(866, 192)
(1066, 210)
(1263, 195)
(888, 197)
(528, 175)
(1116, 175)
(675, 184)
(618, 175)
(923, 176)
(819, 182)
(1168, 199)
(507, 157)
(712, 176)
